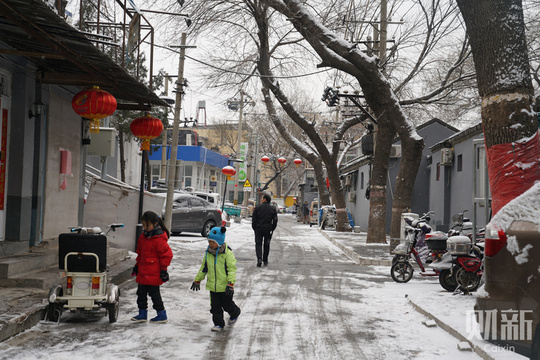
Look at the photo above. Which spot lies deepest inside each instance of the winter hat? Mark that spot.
(217, 234)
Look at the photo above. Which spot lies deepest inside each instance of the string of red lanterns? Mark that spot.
(281, 160)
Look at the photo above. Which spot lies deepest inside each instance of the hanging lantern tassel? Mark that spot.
(146, 128)
(94, 104)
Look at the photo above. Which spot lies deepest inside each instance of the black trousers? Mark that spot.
(142, 297)
(219, 302)
(260, 238)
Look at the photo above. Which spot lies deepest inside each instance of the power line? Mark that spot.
(241, 73)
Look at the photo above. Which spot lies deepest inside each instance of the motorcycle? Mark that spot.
(461, 268)
(414, 248)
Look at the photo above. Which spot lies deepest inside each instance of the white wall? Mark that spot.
(63, 131)
(133, 163)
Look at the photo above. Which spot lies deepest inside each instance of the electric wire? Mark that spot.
(242, 73)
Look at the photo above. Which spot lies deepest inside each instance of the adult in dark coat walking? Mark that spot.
(264, 222)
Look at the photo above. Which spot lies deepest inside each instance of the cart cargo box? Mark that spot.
(79, 243)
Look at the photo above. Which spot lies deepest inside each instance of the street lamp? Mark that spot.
(228, 171)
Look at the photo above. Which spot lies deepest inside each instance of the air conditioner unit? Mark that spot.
(348, 180)
(351, 197)
(447, 156)
(395, 151)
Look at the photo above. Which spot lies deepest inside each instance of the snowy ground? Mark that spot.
(311, 302)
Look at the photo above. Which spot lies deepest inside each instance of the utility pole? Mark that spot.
(254, 169)
(384, 23)
(171, 176)
(238, 147)
(164, 140)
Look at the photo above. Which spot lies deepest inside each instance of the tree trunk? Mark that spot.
(405, 181)
(324, 195)
(377, 193)
(496, 31)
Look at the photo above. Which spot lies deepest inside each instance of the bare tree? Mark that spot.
(497, 34)
(343, 55)
(346, 57)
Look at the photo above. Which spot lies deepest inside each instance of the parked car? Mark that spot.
(280, 208)
(291, 209)
(212, 197)
(193, 214)
(163, 190)
(512, 281)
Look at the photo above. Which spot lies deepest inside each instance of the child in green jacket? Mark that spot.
(219, 264)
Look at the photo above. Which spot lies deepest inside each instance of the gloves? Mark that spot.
(196, 286)
(164, 275)
(135, 270)
(229, 290)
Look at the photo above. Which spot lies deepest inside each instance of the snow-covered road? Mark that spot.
(310, 302)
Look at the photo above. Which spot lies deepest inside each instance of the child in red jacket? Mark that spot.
(153, 257)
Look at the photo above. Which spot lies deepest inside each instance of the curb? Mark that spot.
(368, 261)
(351, 254)
(478, 350)
(29, 318)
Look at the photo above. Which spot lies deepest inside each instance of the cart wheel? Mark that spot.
(54, 311)
(113, 310)
(114, 307)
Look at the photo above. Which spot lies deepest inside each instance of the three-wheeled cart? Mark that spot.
(82, 255)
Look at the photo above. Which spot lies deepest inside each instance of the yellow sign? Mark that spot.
(247, 184)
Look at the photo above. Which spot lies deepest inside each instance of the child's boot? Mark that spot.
(143, 315)
(160, 318)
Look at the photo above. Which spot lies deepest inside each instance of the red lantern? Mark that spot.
(282, 160)
(146, 128)
(297, 162)
(265, 159)
(229, 171)
(94, 104)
